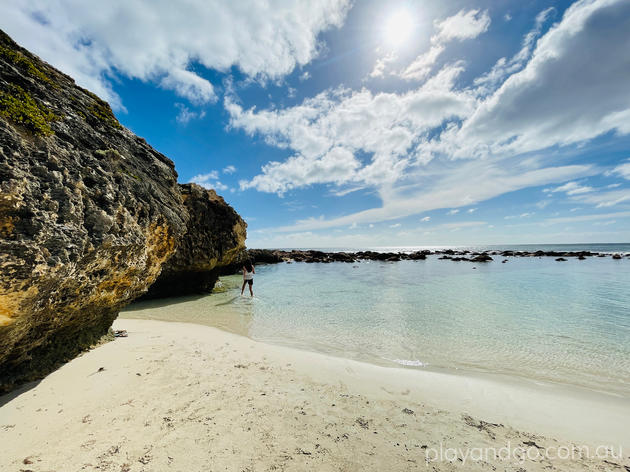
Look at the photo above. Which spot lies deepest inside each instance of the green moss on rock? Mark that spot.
(21, 61)
(19, 107)
(102, 112)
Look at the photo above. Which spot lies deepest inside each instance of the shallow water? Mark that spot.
(531, 317)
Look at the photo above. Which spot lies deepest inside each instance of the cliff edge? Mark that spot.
(89, 213)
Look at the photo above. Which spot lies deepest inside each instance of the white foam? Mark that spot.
(414, 363)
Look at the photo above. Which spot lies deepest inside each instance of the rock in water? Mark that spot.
(89, 212)
(215, 238)
(482, 258)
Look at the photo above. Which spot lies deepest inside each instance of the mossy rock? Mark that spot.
(21, 61)
(19, 107)
(102, 112)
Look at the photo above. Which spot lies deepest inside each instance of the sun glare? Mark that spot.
(398, 28)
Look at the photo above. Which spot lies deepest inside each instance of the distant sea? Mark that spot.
(596, 247)
(533, 318)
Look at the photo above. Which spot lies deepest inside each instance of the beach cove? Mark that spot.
(314, 236)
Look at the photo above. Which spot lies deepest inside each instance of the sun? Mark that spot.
(398, 28)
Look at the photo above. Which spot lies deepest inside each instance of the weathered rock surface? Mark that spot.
(215, 238)
(89, 212)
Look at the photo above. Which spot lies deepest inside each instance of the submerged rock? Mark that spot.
(89, 212)
(215, 238)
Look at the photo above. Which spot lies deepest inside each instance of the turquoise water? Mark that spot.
(531, 317)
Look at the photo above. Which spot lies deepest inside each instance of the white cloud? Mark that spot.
(438, 146)
(422, 65)
(504, 67)
(425, 219)
(155, 41)
(623, 170)
(229, 169)
(461, 26)
(396, 225)
(573, 188)
(522, 215)
(453, 211)
(337, 165)
(605, 199)
(598, 197)
(212, 175)
(472, 210)
(576, 219)
(189, 85)
(447, 186)
(185, 114)
(563, 95)
(305, 76)
(381, 64)
(209, 180)
(326, 131)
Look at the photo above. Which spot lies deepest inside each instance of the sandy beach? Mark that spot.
(185, 397)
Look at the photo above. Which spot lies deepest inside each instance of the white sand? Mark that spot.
(184, 397)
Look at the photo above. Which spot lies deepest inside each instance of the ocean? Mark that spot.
(531, 318)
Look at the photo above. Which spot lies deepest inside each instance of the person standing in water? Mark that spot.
(248, 276)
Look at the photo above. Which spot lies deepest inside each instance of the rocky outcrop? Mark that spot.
(264, 256)
(89, 213)
(272, 256)
(214, 239)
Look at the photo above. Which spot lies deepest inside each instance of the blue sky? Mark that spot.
(330, 124)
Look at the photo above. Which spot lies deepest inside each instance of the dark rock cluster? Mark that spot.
(272, 256)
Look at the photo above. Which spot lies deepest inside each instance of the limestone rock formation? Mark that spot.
(89, 212)
(215, 239)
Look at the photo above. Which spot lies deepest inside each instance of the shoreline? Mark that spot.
(442, 385)
(175, 396)
(218, 310)
(484, 375)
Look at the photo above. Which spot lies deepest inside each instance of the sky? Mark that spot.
(369, 123)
